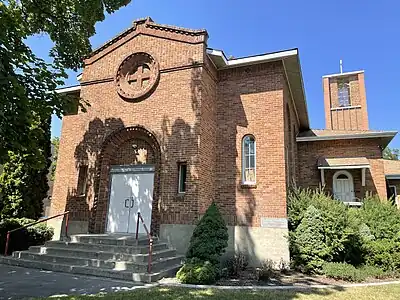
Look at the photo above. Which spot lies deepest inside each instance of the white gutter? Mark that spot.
(346, 136)
(68, 89)
(251, 60)
(343, 74)
(393, 176)
(344, 167)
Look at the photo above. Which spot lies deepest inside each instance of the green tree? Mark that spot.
(391, 153)
(27, 82)
(23, 186)
(55, 143)
(210, 237)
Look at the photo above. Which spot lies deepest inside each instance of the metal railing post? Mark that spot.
(149, 262)
(150, 255)
(137, 226)
(7, 241)
(66, 225)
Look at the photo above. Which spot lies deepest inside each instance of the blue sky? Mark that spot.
(365, 34)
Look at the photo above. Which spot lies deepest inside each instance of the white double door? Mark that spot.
(130, 194)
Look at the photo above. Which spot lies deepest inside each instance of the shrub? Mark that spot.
(234, 264)
(347, 272)
(24, 238)
(308, 242)
(343, 271)
(210, 237)
(381, 216)
(266, 271)
(195, 271)
(384, 254)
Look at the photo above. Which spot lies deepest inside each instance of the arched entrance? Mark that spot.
(129, 176)
(343, 186)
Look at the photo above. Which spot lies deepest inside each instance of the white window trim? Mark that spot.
(244, 182)
(180, 177)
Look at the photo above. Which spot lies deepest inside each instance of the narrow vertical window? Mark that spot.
(344, 93)
(82, 180)
(248, 160)
(182, 171)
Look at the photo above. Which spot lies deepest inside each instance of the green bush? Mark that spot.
(347, 272)
(24, 238)
(308, 242)
(195, 271)
(343, 271)
(210, 237)
(384, 254)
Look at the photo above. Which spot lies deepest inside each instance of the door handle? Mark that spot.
(126, 206)
(132, 202)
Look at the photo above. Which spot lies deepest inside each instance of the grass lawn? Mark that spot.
(386, 292)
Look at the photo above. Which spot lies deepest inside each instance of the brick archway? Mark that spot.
(113, 145)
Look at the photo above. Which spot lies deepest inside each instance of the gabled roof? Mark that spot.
(148, 23)
(313, 135)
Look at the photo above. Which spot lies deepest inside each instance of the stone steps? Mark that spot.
(93, 271)
(141, 249)
(113, 256)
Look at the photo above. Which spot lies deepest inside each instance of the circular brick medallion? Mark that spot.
(137, 75)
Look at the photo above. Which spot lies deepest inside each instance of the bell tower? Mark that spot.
(345, 101)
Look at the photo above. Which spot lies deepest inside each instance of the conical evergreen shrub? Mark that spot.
(210, 237)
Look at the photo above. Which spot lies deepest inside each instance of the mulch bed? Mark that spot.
(289, 278)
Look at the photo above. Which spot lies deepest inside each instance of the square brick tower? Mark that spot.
(345, 101)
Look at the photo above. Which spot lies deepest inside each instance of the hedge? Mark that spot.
(22, 239)
(323, 230)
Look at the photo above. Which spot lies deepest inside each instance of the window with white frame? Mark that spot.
(182, 172)
(249, 160)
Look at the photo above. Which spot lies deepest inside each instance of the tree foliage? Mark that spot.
(391, 153)
(210, 237)
(55, 144)
(324, 230)
(27, 82)
(23, 186)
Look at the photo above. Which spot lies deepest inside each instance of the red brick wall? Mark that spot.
(250, 101)
(198, 116)
(172, 112)
(309, 175)
(291, 131)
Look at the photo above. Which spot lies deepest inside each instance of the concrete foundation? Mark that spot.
(258, 243)
(74, 227)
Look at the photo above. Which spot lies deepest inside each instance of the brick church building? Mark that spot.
(174, 125)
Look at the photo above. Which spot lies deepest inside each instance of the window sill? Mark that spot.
(248, 185)
(180, 195)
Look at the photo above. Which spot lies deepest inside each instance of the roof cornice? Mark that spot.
(148, 23)
(366, 135)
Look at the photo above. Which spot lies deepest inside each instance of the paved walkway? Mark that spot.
(19, 283)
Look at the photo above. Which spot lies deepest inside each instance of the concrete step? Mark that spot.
(112, 239)
(87, 270)
(158, 264)
(158, 246)
(102, 255)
